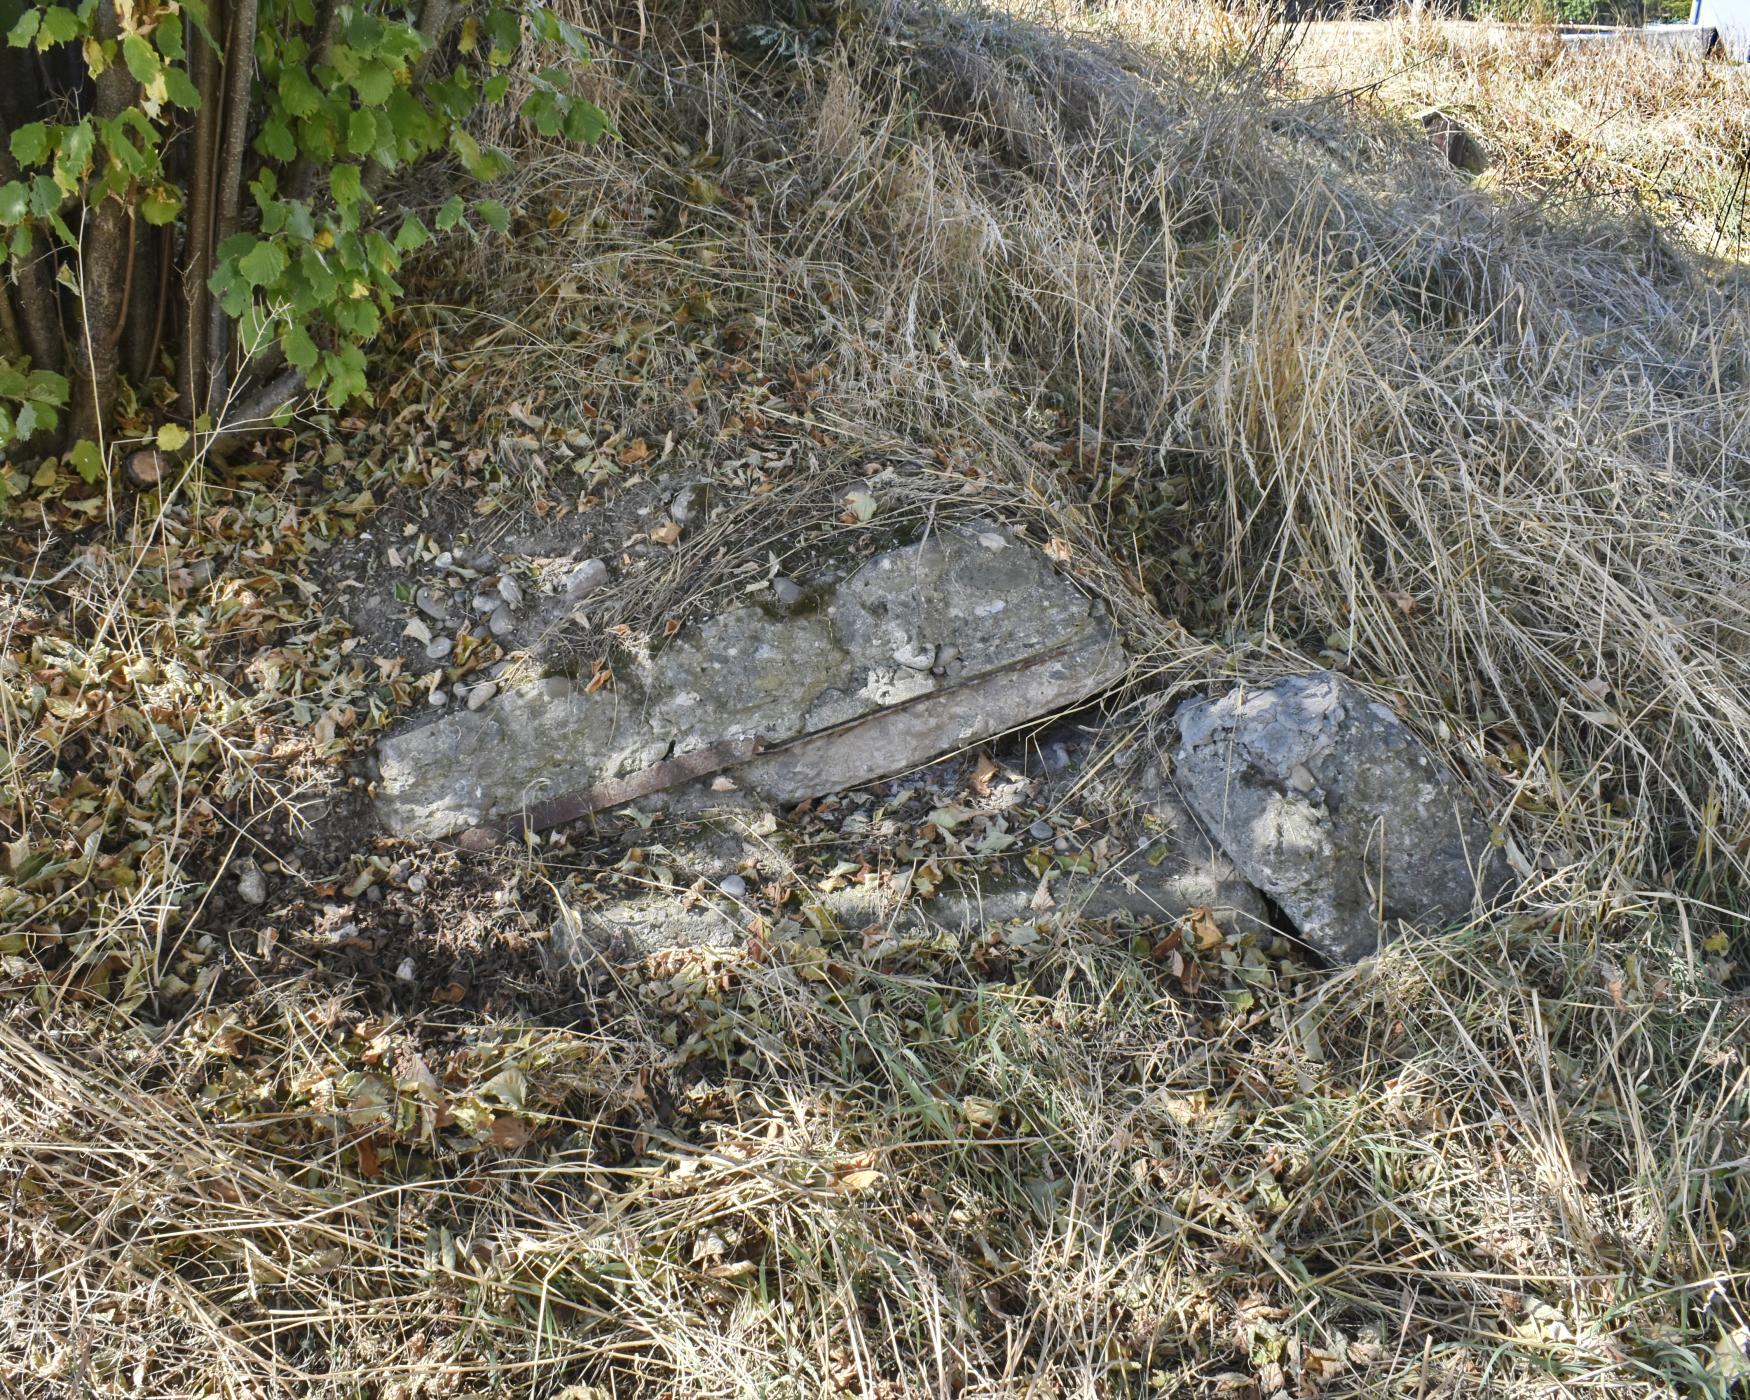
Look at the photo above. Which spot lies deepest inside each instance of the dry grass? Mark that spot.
(1640, 131)
(1290, 387)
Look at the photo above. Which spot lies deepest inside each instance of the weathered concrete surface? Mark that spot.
(926, 648)
(1328, 804)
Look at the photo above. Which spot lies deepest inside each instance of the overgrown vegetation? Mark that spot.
(189, 198)
(1259, 367)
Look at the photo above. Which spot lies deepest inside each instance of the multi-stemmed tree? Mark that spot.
(188, 195)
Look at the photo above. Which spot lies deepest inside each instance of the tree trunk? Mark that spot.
(239, 78)
(103, 270)
(34, 295)
(197, 246)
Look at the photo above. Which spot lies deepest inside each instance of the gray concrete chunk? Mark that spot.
(1329, 805)
(820, 686)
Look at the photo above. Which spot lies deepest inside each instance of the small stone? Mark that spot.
(484, 562)
(501, 622)
(444, 560)
(915, 658)
(430, 602)
(251, 883)
(734, 886)
(480, 694)
(511, 591)
(787, 592)
(691, 503)
(408, 971)
(416, 883)
(1061, 845)
(487, 601)
(588, 576)
(1041, 831)
(439, 647)
(437, 699)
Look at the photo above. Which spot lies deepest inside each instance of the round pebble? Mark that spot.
(416, 883)
(486, 602)
(481, 693)
(511, 591)
(408, 971)
(501, 622)
(437, 699)
(251, 883)
(787, 592)
(1041, 831)
(439, 647)
(430, 602)
(734, 886)
(588, 576)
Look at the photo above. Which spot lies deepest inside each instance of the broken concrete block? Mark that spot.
(1335, 810)
(925, 649)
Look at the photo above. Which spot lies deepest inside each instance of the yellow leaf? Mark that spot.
(859, 1180)
(172, 437)
(1716, 944)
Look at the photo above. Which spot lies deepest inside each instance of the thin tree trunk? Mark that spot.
(149, 292)
(103, 269)
(239, 78)
(11, 341)
(197, 247)
(34, 295)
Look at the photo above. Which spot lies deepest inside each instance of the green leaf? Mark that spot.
(300, 350)
(142, 60)
(493, 213)
(541, 110)
(297, 93)
(451, 214)
(172, 437)
(374, 83)
(73, 158)
(46, 387)
(59, 26)
(161, 204)
(181, 89)
(25, 30)
(345, 184)
(15, 202)
(412, 234)
(168, 36)
(31, 143)
(586, 123)
(263, 265)
(361, 132)
(276, 140)
(86, 460)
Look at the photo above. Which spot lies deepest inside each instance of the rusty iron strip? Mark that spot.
(700, 763)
